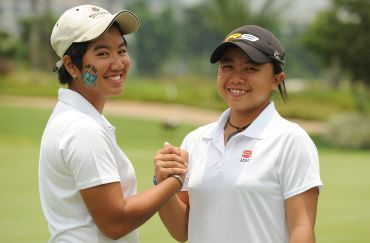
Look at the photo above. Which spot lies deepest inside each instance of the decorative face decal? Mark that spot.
(89, 77)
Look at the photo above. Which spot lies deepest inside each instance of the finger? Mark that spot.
(170, 164)
(163, 173)
(172, 171)
(170, 149)
(169, 157)
(184, 154)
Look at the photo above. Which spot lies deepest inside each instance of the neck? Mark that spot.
(239, 129)
(231, 130)
(97, 101)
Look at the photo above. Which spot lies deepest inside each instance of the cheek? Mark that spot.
(127, 62)
(220, 82)
(89, 75)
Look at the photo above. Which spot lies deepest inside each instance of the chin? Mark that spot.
(116, 92)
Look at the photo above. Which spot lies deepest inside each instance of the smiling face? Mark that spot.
(244, 85)
(104, 68)
(107, 59)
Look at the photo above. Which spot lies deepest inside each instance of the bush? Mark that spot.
(349, 130)
(6, 66)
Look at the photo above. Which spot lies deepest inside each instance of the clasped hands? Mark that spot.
(169, 161)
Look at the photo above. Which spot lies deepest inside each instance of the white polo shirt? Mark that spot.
(237, 191)
(78, 151)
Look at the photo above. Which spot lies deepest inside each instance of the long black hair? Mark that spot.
(282, 89)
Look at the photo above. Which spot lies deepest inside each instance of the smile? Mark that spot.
(237, 91)
(114, 78)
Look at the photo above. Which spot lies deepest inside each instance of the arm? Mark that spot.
(116, 215)
(301, 216)
(175, 213)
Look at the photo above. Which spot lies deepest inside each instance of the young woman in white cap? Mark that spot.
(252, 175)
(87, 184)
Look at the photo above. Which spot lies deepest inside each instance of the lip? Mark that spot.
(117, 78)
(237, 92)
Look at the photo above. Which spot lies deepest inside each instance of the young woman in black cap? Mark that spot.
(253, 176)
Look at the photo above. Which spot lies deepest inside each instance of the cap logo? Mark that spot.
(96, 12)
(239, 36)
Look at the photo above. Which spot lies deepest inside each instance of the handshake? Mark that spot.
(170, 161)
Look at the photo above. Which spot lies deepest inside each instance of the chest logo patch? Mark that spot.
(246, 156)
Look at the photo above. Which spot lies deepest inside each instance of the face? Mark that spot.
(244, 85)
(104, 66)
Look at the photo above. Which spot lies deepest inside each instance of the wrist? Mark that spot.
(179, 179)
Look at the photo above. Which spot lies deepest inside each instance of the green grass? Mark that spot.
(344, 207)
(343, 213)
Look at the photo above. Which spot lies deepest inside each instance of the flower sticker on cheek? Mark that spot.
(89, 77)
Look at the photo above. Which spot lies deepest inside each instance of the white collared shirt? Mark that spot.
(79, 151)
(237, 190)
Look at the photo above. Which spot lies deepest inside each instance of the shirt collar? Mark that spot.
(79, 102)
(257, 129)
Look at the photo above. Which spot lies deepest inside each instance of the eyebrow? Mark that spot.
(98, 47)
(228, 59)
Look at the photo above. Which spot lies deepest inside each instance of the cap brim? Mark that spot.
(253, 53)
(127, 21)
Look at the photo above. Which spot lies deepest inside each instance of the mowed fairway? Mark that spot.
(344, 206)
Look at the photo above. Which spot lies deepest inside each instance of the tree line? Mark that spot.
(180, 40)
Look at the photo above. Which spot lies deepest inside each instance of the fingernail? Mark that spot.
(166, 143)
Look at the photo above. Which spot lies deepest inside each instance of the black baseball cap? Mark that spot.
(259, 44)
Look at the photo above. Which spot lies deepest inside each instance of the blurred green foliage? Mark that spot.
(172, 40)
(349, 130)
(315, 102)
(340, 37)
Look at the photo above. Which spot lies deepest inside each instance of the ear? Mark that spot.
(70, 67)
(278, 78)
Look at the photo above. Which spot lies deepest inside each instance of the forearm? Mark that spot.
(302, 234)
(300, 213)
(174, 215)
(139, 208)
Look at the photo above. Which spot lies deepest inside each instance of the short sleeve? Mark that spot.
(89, 152)
(299, 169)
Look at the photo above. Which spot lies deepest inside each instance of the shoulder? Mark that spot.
(295, 141)
(201, 131)
(295, 132)
(74, 124)
(198, 134)
(282, 127)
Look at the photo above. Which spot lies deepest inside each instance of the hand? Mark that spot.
(170, 160)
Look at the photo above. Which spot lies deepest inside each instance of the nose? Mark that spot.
(237, 78)
(118, 63)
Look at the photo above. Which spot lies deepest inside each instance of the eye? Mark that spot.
(251, 69)
(122, 51)
(103, 54)
(226, 67)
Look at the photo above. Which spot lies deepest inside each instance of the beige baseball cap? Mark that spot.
(85, 23)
